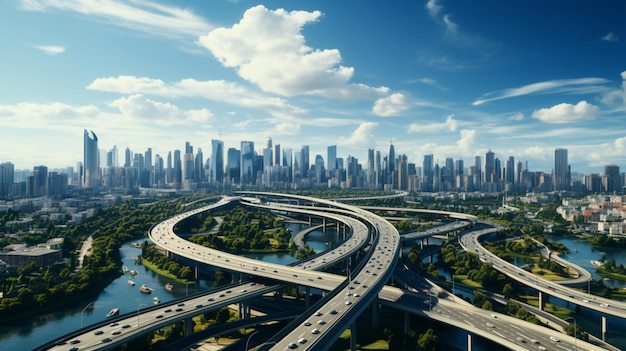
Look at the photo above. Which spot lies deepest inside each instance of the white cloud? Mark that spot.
(51, 49)
(433, 8)
(140, 15)
(127, 84)
(617, 96)
(580, 85)
(268, 49)
(33, 115)
(449, 125)
(610, 37)
(391, 105)
(165, 114)
(467, 140)
(567, 113)
(286, 129)
(517, 117)
(363, 136)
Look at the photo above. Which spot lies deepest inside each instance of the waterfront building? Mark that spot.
(561, 170)
(91, 160)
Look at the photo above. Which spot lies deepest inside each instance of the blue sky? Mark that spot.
(449, 78)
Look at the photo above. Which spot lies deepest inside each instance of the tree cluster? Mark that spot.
(154, 256)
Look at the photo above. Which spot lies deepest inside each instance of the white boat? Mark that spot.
(131, 282)
(125, 269)
(156, 300)
(169, 287)
(144, 289)
(113, 312)
(596, 264)
(133, 272)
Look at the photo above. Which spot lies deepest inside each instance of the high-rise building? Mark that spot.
(217, 161)
(277, 155)
(91, 161)
(510, 170)
(248, 173)
(561, 170)
(427, 170)
(128, 157)
(612, 182)
(331, 157)
(233, 165)
(490, 167)
(7, 174)
(304, 161)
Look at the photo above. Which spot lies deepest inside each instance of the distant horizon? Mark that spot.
(440, 77)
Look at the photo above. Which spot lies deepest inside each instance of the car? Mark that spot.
(126, 326)
(315, 331)
(356, 282)
(295, 275)
(74, 341)
(521, 339)
(244, 290)
(534, 341)
(348, 302)
(356, 295)
(210, 299)
(604, 305)
(333, 311)
(179, 309)
(493, 315)
(554, 338)
(302, 340)
(180, 304)
(114, 324)
(107, 339)
(490, 325)
(585, 300)
(168, 310)
(318, 313)
(98, 332)
(73, 348)
(228, 291)
(321, 322)
(292, 345)
(199, 305)
(158, 316)
(116, 332)
(306, 323)
(541, 348)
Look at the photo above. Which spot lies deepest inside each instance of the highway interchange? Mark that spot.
(372, 238)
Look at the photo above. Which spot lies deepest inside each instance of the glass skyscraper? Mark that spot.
(91, 161)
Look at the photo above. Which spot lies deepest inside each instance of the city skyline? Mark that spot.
(437, 78)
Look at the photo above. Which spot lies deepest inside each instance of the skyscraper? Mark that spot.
(612, 181)
(331, 157)
(233, 159)
(248, 173)
(304, 161)
(490, 167)
(217, 161)
(91, 161)
(561, 170)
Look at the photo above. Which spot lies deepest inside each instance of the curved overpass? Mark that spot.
(470, 242)
(348, 299)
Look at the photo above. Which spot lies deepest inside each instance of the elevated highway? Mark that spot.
(348, 297)
(470, 242)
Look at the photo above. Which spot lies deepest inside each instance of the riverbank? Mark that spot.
(161, 272)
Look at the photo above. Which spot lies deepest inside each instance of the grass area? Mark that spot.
(549, 275)
(462, 278)
(157, 270)
(366, 342)
(556, 310)
(617, 276)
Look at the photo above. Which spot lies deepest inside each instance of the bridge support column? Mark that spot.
(310, 220)
(407, 323)
(542, 303)
(422, 244)
(426, 241)
(307, 297)
(353, 336)
(603, 327)
(375, 313)
(430, 258)
(469, 342)
(324, 225)
(188, 326)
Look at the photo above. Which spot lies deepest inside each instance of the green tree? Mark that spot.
(428, 341)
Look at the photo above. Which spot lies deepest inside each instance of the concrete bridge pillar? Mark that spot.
(422, 244)
(353, 336)
(603, 327)
(426, 241)
(543, 298)
(469, 342)
(307, 297)
(188, 326)
(310, 220)
(324, 225)
(375, 313)
(407, 323)
(430, 258)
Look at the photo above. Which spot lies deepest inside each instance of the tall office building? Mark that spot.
(561, 170)
(490, 167)
(7, 174)
(91, 161)
(612, 180)
(248, 173)
(217, 161)
(277, 155)
(233, 165)
(304, 161)
(128, 157)
(510, 170)
(427, 170)
(198, 166)
(331, 157)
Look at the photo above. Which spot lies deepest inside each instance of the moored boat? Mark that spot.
(144, 289)
(596, 264)
(169, 287)
(131, 282)
(156, 300)
(133, 272)
(113, 312)
(125, 269)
